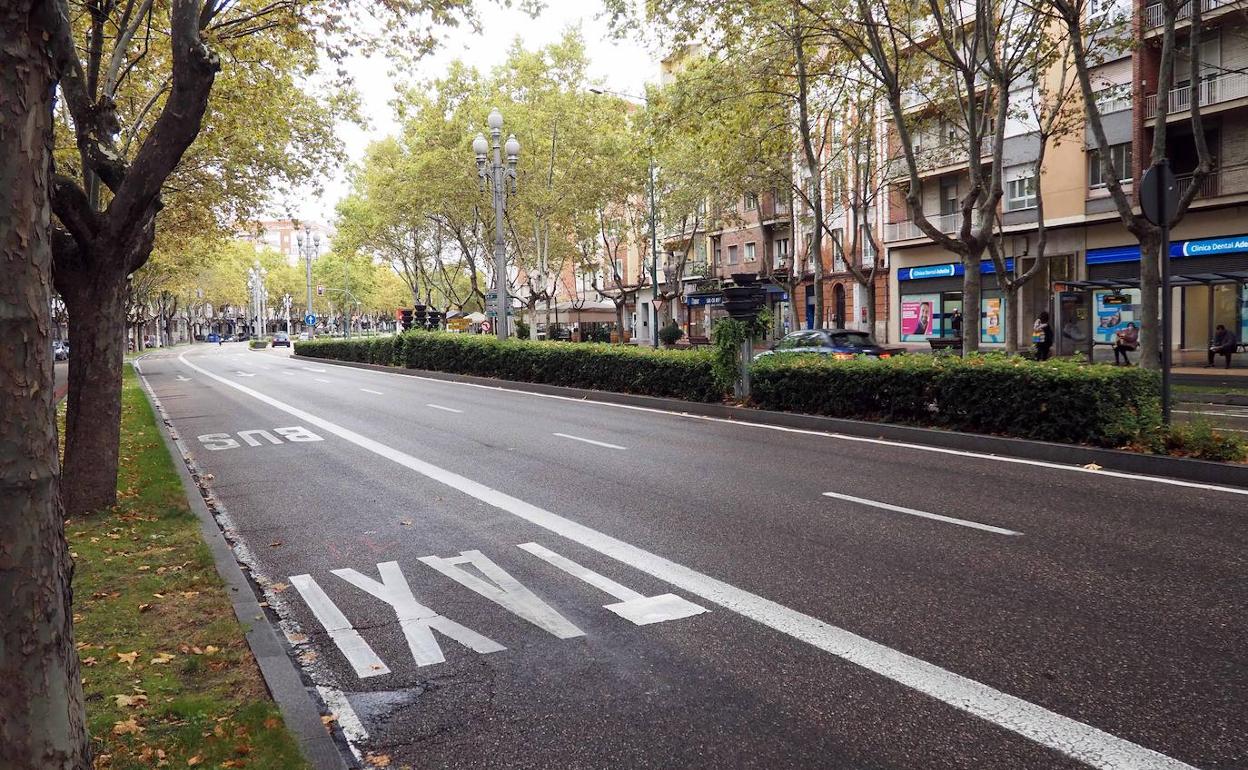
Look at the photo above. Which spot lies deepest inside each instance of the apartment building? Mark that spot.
(283, 236)
(1092, 261)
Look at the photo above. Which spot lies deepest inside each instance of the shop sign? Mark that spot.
(710, 299)
(1212, 246)
(949, 270)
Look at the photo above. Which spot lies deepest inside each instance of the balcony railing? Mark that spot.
(1225, 88)
(904, 231)
(1113, 99)
(1154, 16)
(1209, 186)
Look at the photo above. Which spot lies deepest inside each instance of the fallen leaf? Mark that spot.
(159, 596)
(128, 727)
(271, 724)
(405, 522)
(210, 650)
(162, 658)
(275, 543)
(279, 587)
(189, 594)
(329, 719)
(144, 607)
(128, 657)
(377, 760)
(143, 568)
(195, 760)
(130, 700)
(89, 661)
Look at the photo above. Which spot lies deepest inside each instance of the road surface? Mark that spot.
(476, 577)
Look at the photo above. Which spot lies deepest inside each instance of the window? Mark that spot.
(948, 196)
(868, 247)
(782, 252)
(732, 255)
(719, 256)
(1114, 98)
(750, 256)
(1119, 156)
(619, 268)
(838, 248)
(751, 201)
(1020, 188)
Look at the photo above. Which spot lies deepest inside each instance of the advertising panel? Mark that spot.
(918, 317)
(992, 319)
(1114, 310)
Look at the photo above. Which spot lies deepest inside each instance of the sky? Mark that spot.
(621, 65)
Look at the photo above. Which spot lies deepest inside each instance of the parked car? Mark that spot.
(838, 343)
(281, 340)
(214, 337)
(60, 350)
(242, 336)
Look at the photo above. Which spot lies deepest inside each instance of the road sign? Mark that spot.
(320, 290)
(309, 319)
(486, 326)
(1159, 194)
(491, 296)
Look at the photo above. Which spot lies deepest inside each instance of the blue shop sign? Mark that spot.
(1204, 247)
(706, 299)
(951, 270)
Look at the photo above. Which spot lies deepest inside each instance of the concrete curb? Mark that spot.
(300, 710)
(1201, 471)
(1228, 399)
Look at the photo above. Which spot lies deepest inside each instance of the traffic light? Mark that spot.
(419, 318)
(745, 299)
(405, 318)
(435, 319)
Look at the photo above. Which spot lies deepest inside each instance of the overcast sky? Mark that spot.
(623, 65)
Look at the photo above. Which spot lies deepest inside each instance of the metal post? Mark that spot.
(346, 268)
(500, 245)
(654, 262)
(1167, 300)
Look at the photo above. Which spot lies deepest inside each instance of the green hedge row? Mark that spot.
(1047, 401)
(625, 369)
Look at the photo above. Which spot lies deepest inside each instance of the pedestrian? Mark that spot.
(955, 323)
(1126, 340)
(1224, 344)
(1042, 336)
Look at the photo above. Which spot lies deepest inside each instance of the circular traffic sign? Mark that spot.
(485, 327)
(309, 319)
(1159, 194)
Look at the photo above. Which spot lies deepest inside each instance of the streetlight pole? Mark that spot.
(259, 295)
(502, 179)
(654, 227)
(309, 249)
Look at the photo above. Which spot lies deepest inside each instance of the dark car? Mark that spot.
(60, 350)
(838, 343)
(281, 339)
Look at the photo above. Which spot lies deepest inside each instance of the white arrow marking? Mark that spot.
(641, 610)
(357, 651)
(183, 379)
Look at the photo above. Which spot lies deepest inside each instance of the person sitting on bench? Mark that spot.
(1126, 340)
(1224, 344)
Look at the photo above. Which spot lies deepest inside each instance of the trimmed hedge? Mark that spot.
(625, 369)
(1056, 400)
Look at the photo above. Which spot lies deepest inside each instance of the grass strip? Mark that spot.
(168, 677)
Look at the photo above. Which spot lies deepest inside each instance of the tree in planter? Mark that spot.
(670, 334)
(1085, 30)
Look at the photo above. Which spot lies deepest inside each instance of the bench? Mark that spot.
(945, 343)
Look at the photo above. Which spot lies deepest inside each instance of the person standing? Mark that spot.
(1224, 344)
(1042, 336)
(1126, 340)
(955, 323)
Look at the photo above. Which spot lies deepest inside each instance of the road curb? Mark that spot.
(1228, 399)
(300, 710)
(1202, 471)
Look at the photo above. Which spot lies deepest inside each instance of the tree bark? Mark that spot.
(42, 721)
(972, 285)
(1150, 305)
(97, 334)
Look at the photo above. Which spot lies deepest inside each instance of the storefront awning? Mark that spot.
(1185, 279)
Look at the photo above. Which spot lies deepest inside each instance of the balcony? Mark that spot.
(1209, 186)
(1154, 17)
(1225, 88)
(908, 230)
(943, 155)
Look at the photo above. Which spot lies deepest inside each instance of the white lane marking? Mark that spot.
(357, 651)
(924, 514)
(1047, 728)
(289, 373)
(313, 369)
(641, 610)
(445, 408)
(374, 392)
(241, 373)
(320, 379)
(589, 441)
(337, 704)
(417, 620)
(180, 378)
(840, 436)
(504, 590)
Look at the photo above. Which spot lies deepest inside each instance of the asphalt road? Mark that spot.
(646, 589)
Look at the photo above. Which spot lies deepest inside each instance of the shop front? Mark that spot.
(929, 296)
(1210, 277)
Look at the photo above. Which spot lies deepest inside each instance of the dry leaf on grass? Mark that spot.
(128, 727)
(195, 760)
(162, 658)
(128, 657)
(130, 700)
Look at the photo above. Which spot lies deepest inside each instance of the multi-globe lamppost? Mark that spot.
(259, 294)
(502, 179)
(309, 248)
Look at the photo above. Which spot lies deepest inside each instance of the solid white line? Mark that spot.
(924, 514)
(589, 441)
(841, 436)
(445, 408)
(313, 369)
(374, 392)
(320, 379)
(1071, 737)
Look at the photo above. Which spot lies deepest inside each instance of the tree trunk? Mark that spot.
(972, 282)
(97, 327)
(42, 721)
(868, 297)
(1010, 321)
(1150, 288)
